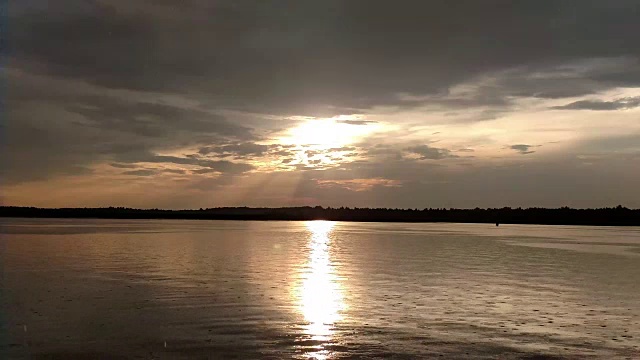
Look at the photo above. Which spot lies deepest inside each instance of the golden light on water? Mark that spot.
(321, 298)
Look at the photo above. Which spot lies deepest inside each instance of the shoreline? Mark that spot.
(618, 216)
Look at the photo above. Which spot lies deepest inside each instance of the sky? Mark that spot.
(411, 104)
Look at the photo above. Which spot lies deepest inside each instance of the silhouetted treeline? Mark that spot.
(619, 215)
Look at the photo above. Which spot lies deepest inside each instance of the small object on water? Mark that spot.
(165, 344)
(26, 341)
(497, 224)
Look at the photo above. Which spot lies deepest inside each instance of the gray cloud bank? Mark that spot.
(295, 56)
(127, 82)
(620, 104)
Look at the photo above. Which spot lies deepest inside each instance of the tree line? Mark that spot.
(619, 216)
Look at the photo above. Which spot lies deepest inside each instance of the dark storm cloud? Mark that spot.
(308, 57)
(620, 104)
(431, 153)
(61, 127)
(522, 148)
(153, 119)
(127, 82)
(46, 141)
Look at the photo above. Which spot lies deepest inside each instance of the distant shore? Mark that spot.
(616, 216)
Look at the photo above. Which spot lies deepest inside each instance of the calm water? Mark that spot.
(324, 290)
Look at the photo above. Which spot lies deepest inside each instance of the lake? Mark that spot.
(116, 289)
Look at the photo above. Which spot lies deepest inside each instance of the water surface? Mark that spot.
(323, 290)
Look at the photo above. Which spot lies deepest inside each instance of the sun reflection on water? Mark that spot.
(321, 300)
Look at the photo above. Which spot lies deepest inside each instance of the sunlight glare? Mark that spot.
(326, 133)
(321, 299)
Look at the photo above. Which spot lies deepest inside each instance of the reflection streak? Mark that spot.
(321, 298)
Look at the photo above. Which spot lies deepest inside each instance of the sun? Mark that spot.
(326, 133)
(322, 143)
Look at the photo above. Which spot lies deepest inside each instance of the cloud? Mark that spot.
(203, 171)
(240, 149)
(312, 153)
(61, 127)
(522, 148)
(201, 88)
(356, 122)
(140, 172)
(341, 149)
(122, 166)
(281, 153)
(152, 119)
(620, 104)
(427, 152)
(359, 184)
(317, 59)
(217, 165)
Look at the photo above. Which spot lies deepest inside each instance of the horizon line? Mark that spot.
(619, 207)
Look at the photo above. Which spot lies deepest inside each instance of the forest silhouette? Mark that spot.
(616, 216)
